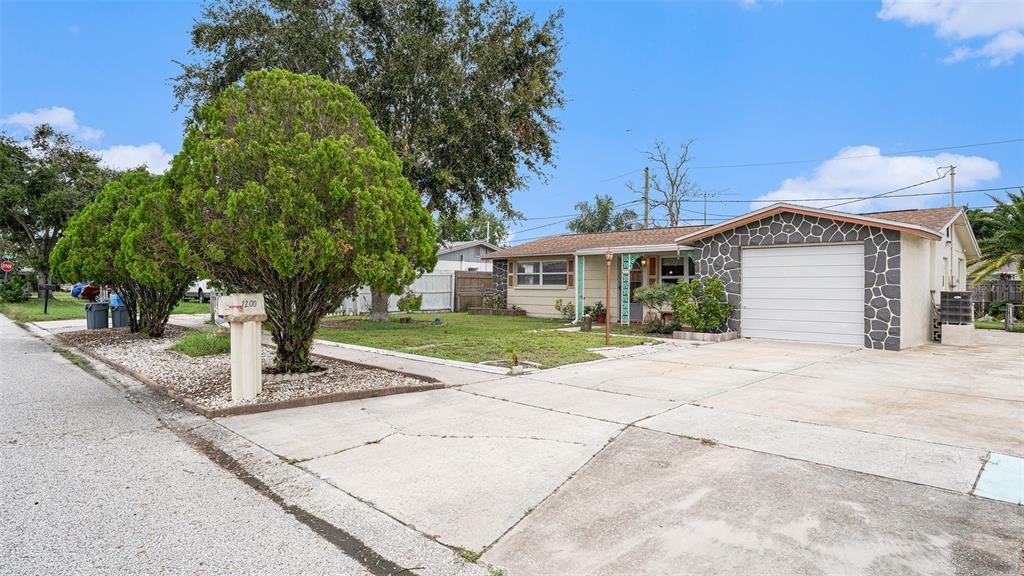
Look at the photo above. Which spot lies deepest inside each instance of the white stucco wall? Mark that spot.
(916, 277)
(948, 254)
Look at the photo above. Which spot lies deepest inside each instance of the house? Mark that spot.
(464, 256)
(791, 272)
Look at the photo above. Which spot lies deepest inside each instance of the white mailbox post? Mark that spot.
(246, 313)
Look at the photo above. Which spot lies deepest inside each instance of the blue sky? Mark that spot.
(751, 82)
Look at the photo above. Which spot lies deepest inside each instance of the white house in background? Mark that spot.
(465, 256)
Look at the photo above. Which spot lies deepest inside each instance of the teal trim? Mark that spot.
(579, 287)
(627, 264)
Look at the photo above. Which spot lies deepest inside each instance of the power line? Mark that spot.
(889, 192)
(773, 200)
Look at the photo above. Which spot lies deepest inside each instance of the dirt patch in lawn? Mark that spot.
(206, 380)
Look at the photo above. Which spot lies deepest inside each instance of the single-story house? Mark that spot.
(466, 255)
(791, 272)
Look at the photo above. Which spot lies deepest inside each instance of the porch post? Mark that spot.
(627, 265)
(579, 287)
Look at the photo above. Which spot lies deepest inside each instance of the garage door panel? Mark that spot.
(814, 250)
(813, 293)
(849, 339)
(841, 316)
(807, 293)
(807, 282)
(798, 304)
(832, 270)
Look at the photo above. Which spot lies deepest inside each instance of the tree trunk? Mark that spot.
(379, 306)
(42, 279)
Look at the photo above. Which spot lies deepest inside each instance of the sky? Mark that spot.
(815, 100)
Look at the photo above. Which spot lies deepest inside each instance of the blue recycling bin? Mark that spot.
(96, 315)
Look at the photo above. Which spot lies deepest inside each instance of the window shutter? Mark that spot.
(652, 270)
(570, 273)
(511, 273)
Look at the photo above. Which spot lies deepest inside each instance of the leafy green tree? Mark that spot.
(464, 91)
(601, 217)
(119, 240)
(981, 224)
(480, 225)
(657, 297)
(1006, 243)
(43, 182)
(288, 188)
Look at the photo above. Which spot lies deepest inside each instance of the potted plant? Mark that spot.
(703, 306)
(600, 314)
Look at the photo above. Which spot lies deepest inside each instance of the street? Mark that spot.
(93, 484)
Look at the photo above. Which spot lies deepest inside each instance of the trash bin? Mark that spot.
(96, 315)
(118, 316)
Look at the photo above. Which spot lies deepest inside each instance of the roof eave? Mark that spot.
(807, 211)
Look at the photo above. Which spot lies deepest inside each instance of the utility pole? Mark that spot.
(488, 231)
(646, 211)
(952, 189)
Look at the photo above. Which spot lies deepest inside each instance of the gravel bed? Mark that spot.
(207, 379)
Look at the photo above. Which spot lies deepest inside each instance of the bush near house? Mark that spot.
(657, 297)
(701, 305)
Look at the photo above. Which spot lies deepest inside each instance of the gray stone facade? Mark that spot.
(718, 256)
(499, 276)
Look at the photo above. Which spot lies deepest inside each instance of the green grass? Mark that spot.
(997, 325)
(203, 344)
(64, 307)
(476, 338)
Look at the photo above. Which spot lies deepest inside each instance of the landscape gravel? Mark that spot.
(207, 379)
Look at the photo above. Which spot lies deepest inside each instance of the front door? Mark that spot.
(636, 280)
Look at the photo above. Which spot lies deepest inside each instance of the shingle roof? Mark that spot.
(934, 218)
(570, 243)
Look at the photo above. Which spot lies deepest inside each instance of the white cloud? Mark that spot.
(124, 157)
(859, 171)
(998, 23)
(62, 119)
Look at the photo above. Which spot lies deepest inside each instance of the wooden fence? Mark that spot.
(995, 291)
(470, 289)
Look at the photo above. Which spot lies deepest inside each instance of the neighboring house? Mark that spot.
(465, 256)
(791, 272)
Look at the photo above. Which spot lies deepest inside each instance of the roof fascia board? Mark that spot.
(805, 211)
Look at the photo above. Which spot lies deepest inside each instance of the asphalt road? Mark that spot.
(90, 483)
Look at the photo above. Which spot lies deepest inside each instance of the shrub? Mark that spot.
(410, 302)
(494, 300)
(702, 306)
(656, 297)
(13, 290)
(203, 344)
(567, 310)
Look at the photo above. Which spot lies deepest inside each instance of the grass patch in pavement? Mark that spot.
(79, 361)
(474, 338)
(64, 307)
(203, 344)
(997, 325)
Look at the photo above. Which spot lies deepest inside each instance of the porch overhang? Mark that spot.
(633, 249)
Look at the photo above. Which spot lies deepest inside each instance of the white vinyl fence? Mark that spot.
(437, 288)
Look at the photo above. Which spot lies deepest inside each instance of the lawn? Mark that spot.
(64, 307)
(997, 325)
(474, 338)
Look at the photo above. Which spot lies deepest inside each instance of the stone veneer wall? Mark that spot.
(719, 257)
(499, 276)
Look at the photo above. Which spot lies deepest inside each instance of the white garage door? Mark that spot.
(812, 293)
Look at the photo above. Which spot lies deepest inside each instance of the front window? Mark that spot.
(542, 273)
(675, 269)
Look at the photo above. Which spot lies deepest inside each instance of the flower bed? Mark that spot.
(204, 382)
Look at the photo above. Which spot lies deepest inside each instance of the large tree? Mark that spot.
(43, 182)
(670, 184)
(1005, 245)
(601, 216)
(120, 240)
(480, 225)
(289, 189)
(464, 91)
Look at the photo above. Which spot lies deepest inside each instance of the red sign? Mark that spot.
(6, 266)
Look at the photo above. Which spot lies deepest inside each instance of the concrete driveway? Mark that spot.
(739, 457)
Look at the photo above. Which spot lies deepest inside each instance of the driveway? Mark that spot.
(745, 456)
